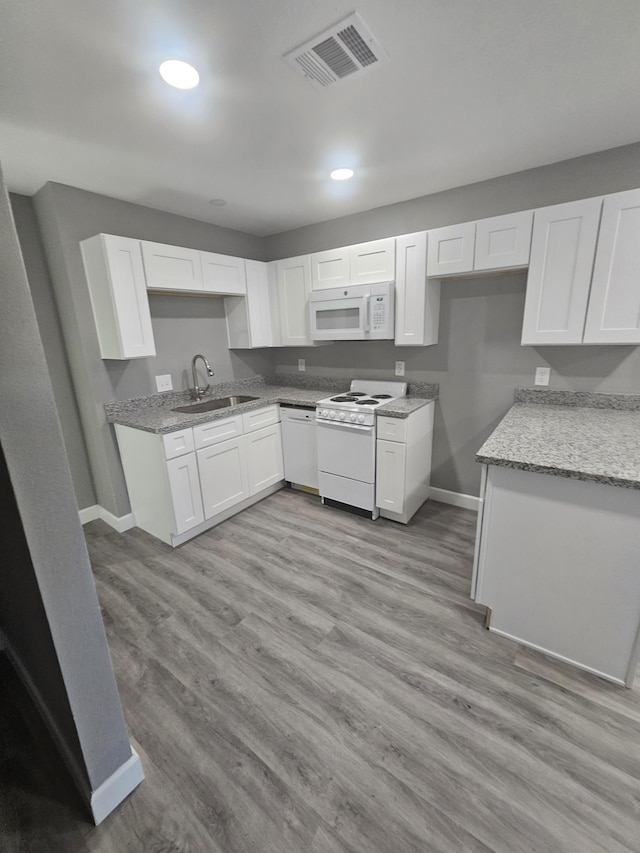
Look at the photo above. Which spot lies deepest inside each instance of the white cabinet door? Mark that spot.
(503, 242)
(562, 252)
(171, 267)
(330, 269)
(417, 300)
(390, 475)
(223, 274)
(117, 287)
(372, 262)
(223, 475)
(184, 486)
(258, 304)
(249, 319)
(294, 286)
(613, 315)
(264, 458)
(451, 250)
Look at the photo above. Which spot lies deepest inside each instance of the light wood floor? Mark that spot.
(300, 679)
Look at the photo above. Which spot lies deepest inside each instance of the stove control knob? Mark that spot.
(342, 416)
(360, 419)
(324, 413)
(352, 418)
(332, 414)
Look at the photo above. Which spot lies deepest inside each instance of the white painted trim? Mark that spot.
(455, 498)
(119, 523)
(89, 513)
(77, 771)
(116, 788)
(633, 660)
(556, 656)
(476, 551)
(113, 790)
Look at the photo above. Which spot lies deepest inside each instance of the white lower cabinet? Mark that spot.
(185, 492)
(184, 482)
(265, 465)
(403, 463)
(223, 475)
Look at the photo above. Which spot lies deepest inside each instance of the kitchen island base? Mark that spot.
(558, 563)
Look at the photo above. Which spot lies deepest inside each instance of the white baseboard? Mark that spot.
(113, 790)
(116, 788)
(89, 513)
(119, 523)
(455, 498)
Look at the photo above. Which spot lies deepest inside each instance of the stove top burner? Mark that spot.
(356, 393)
(342, 399)
(381, 396)
(366, 402)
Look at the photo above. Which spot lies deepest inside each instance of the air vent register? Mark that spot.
(345, 49)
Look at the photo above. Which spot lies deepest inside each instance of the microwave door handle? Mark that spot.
(367, 313)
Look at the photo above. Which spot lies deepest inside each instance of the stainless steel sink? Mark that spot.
(212, 405)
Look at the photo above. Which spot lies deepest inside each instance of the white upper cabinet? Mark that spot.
(294, 286)
(613, 316)
(171, 267)
(370, 263)
(249, 319)
(364, 263)
(115, 276)
(503, 242)
(562, 253)
(330, 268)
(451, 250)
(223, 274)
(417, 300)
(500, 242)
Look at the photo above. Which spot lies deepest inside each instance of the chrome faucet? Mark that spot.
(196, 392)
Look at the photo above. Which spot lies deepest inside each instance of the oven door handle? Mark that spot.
(346, 425)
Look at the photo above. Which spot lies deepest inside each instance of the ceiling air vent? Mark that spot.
(345, 49)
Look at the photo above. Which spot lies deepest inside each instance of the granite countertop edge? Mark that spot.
(154, 413)
(593, 443)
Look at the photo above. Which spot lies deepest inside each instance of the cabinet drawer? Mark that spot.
(207, 434)
(261, 418)
(392, 429)
(178, 443)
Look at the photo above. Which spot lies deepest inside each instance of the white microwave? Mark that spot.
(356, 313)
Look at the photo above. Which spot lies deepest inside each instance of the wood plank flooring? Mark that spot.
(301, 679)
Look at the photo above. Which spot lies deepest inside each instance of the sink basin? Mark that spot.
(212, 405)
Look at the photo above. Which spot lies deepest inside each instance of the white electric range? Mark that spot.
(347, 442)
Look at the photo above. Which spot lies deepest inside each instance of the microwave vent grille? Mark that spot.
(346, 49)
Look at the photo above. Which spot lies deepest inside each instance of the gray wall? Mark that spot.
(478, 361)
(54, 347)
(182, 325)
(48, 604)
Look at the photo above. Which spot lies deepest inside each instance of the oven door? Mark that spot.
(348, 451)
(345, 319)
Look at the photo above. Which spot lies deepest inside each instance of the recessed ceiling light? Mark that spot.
(342, 174)
(217, 202)
(179, 74)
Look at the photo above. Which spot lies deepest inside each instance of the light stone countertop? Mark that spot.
(154, 413)
(576, 441)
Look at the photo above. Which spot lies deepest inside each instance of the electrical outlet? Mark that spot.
(543, 374)
(302, 366)
(399, 368)
(164, 382)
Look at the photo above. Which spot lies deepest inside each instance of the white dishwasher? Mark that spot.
(299, 445)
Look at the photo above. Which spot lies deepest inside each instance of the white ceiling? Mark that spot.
(472, 89)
